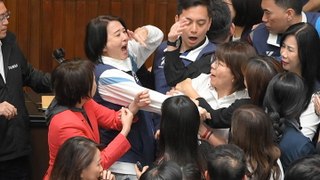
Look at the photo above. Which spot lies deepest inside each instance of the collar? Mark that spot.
(199, 45)
(193, 53)
(235, 95)
(294, 123)
(124, 65)
(274, 39)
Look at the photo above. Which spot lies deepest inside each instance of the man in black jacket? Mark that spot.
(15, 72)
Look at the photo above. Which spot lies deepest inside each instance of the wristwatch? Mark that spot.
(174, 44)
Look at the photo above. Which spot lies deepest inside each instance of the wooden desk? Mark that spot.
(39, 136)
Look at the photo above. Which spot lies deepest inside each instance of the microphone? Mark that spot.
(58, 54)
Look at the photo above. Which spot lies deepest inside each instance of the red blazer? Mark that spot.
(68, 124)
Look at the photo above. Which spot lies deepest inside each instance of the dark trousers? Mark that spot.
(16, 169)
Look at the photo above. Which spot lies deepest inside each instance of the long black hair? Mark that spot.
(179, 127)
(308, 43)
(285, 101)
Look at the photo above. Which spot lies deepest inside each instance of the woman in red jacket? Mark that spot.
(75, 113)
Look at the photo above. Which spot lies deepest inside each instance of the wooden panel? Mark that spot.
(58, 24)
(69, 28)
(23, 23)
(79, 28)
(127, 12)
(34, 33)
(115, 8)
(12, 6)
(139, 14)
(46, 35)
(103, 7)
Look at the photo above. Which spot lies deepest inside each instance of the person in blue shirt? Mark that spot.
(304, 168)
(278, 15)
(187, 52)
(284, 102)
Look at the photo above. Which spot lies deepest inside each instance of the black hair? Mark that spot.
(186, 4)
(308, 43)
(307, 168)
(179, 127)
(284, 101)
(227, 162)
(96, 37)
(221, 22)
(168, 170)
(72, 80)
(247, 13)
(296, 5)
(74, 155)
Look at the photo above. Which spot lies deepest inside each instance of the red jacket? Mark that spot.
(68, 124)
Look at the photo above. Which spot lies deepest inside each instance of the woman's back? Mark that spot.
(251, 130)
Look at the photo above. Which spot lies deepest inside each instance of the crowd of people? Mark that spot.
(233, 94)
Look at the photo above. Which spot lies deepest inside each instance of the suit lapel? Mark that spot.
(6, 51)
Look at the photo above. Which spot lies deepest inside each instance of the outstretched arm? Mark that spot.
(187, 89)
(221, 118)
(118, 87)
(142, 99)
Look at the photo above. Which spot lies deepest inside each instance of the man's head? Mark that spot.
(198, 14)
(221, 28)
(4, 15)
(227, 162)
(278, 15)
(304, 168)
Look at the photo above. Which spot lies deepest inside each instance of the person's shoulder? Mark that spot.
(292, 135)
(207, 48)
(259, 27)
(312, 15)
(211, 45)
(91, 104)
(10, 37)
(162, 47)
(258, 32)
(242, 101)
(63, 119)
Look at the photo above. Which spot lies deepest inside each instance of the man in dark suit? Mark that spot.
(15, 73)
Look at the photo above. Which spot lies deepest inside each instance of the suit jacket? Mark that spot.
(15, 133)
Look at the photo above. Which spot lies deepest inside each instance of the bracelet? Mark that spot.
(209, 135)
(205, 134)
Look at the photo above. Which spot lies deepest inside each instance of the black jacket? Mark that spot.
(14, 133)
(221, 118)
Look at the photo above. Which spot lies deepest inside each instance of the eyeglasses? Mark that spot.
(215, 64)
(5, 16)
